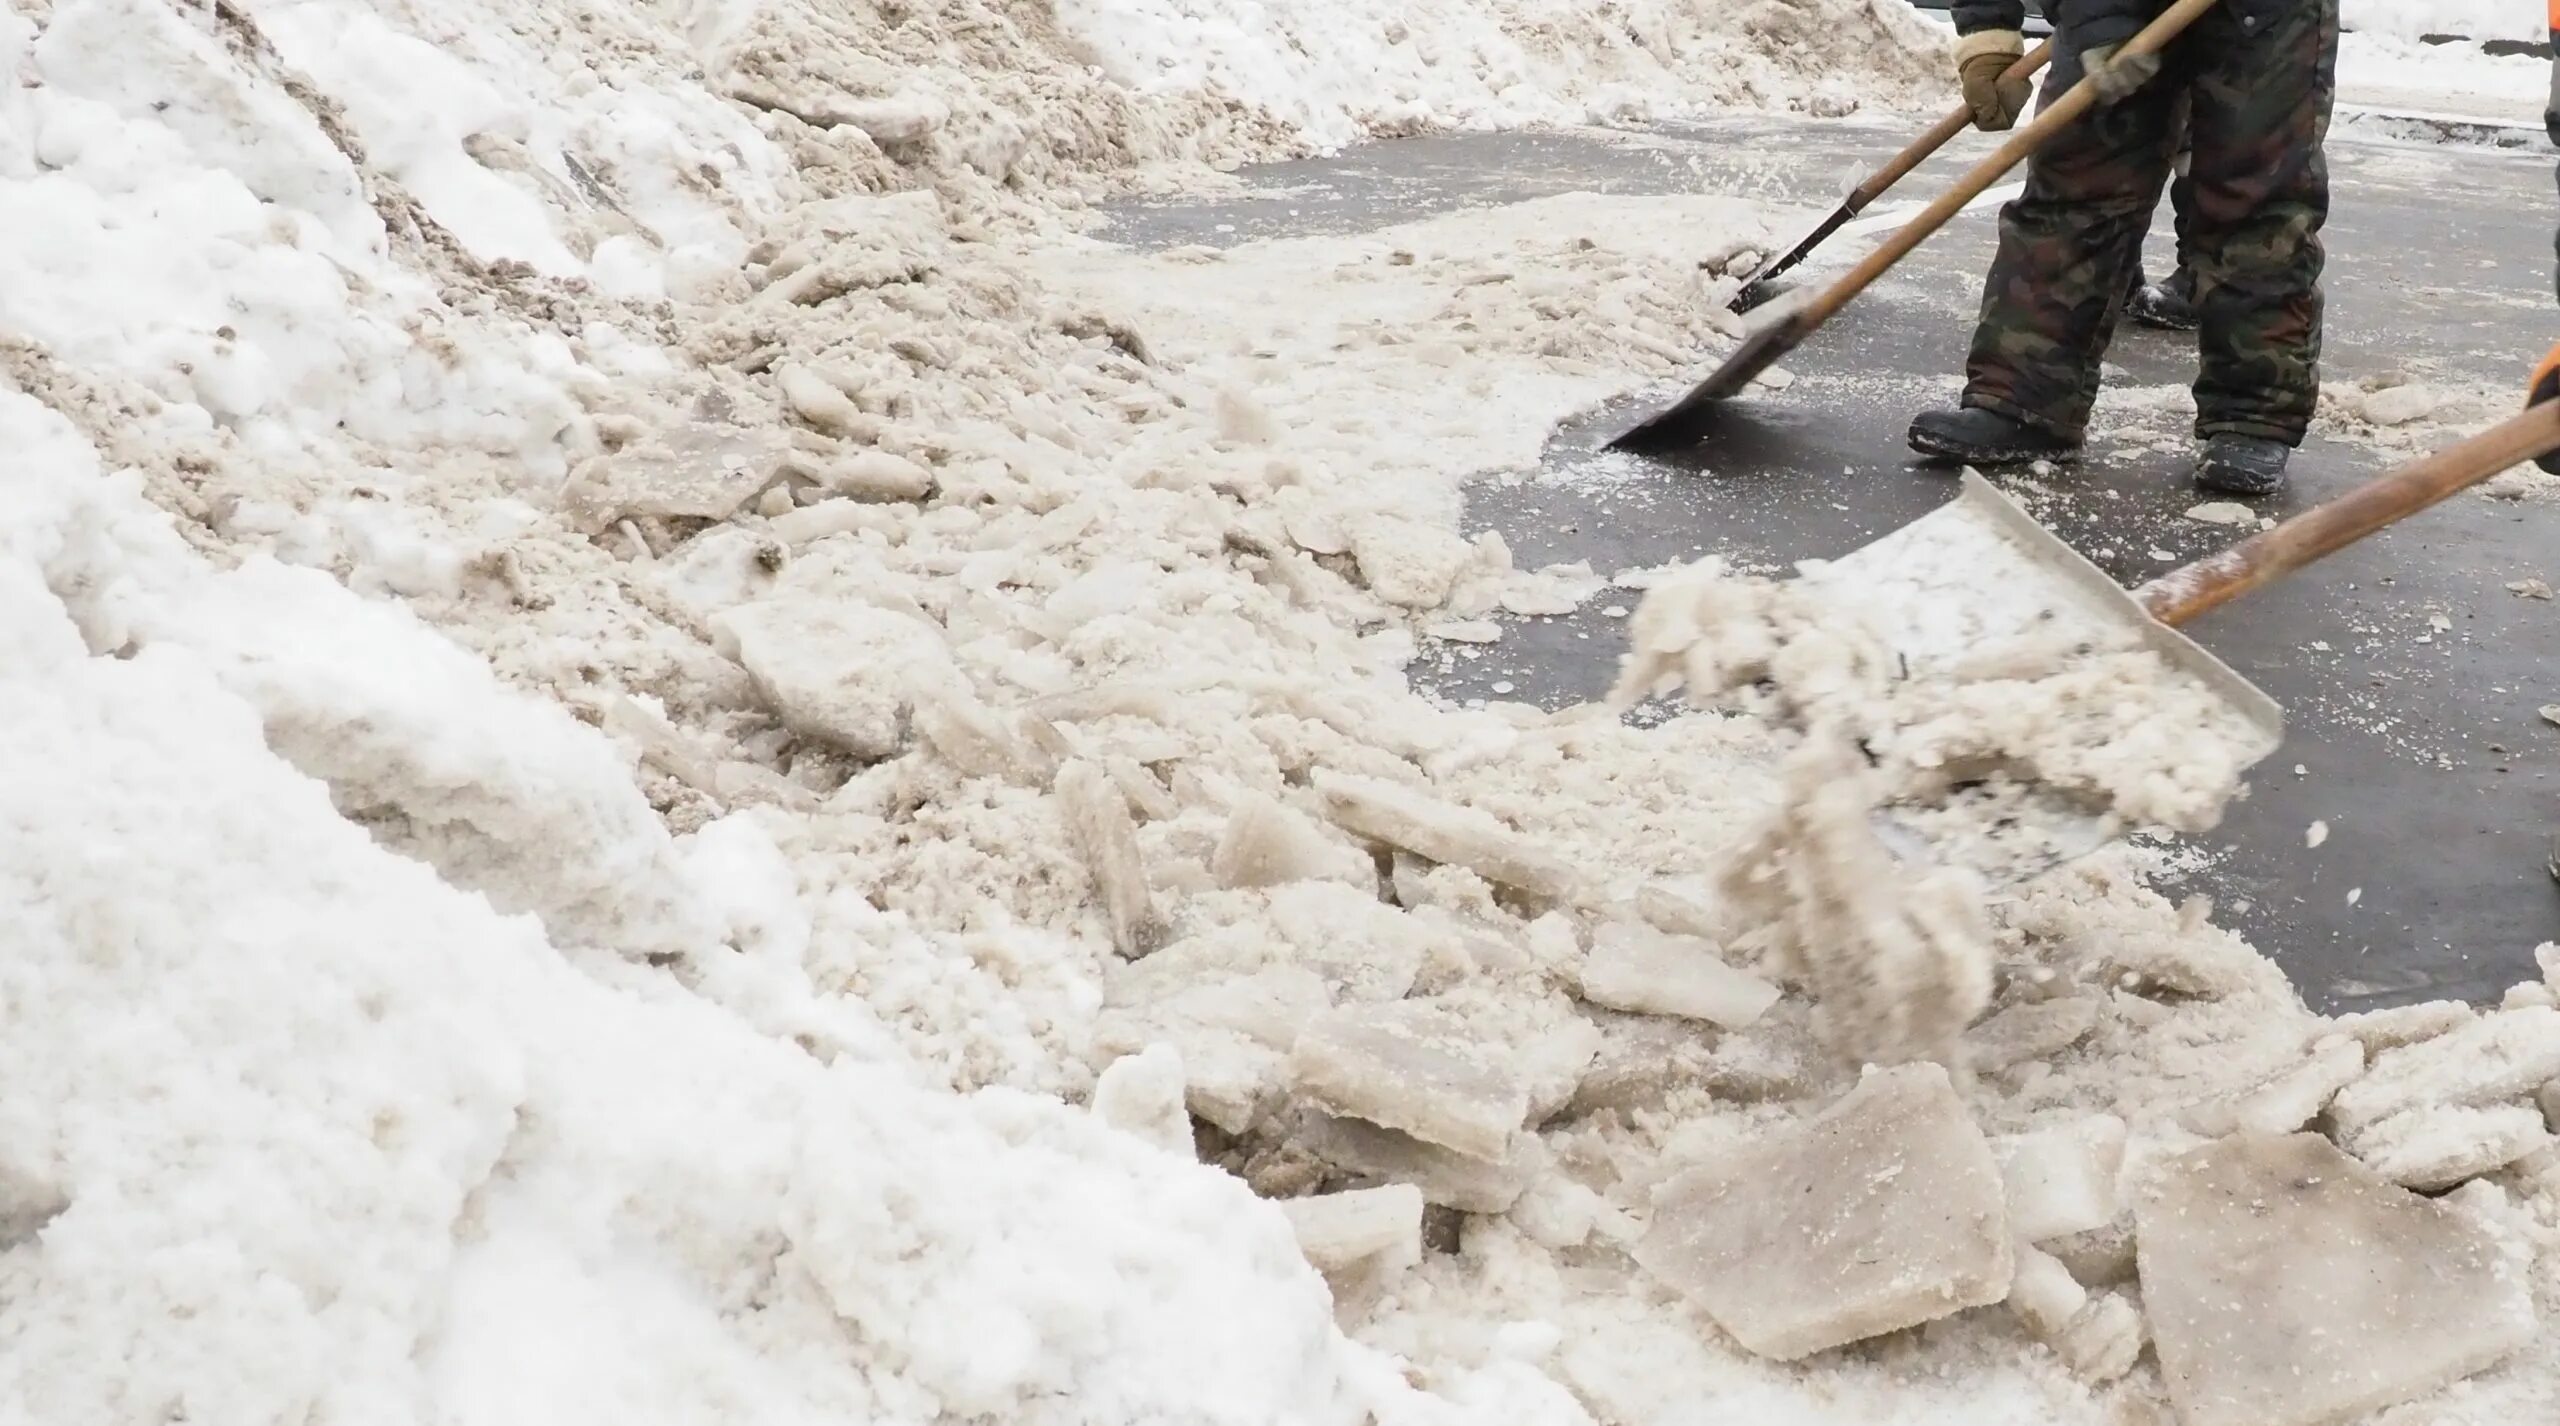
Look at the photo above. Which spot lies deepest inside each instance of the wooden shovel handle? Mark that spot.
(2324, 529)
(1958, 119)
(1978, 180)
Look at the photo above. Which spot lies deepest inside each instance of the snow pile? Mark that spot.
(1336, 69)
(2416, 19)
(631, 672)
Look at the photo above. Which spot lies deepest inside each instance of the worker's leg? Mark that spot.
(2261, 114)
(2067, 245)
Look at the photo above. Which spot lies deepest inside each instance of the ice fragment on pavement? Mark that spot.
(1451, 1180)
(2061, 1179)
(1637, 968)
(2289, 1100)
(2288, 1285)
(2222, 512)
(1144, 1094)
(1344, 1230)
(2550, 713)
(1444, 832)
(2547, 957)
(1098, 817)
(1408, 563)
(2400, 405)
(2032, 1030)
(836, 672)
(2317, 833)
(1465, 631)
(2529, 589)
(1881, 1213)
(1417, 1067)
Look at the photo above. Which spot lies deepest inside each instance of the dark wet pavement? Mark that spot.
(2420, 747)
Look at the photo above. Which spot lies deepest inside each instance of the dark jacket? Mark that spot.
(2087, 24)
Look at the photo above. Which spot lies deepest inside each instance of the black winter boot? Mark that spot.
(2243, 465)
(2166, 306)
(1978, 437)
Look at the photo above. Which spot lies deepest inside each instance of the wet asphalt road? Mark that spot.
(2419, 746)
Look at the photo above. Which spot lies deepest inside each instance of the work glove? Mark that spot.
(2546, 385)
(2115, 77)
(1983, 59)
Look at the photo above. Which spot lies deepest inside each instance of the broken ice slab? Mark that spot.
(1448, 1179)
(2289, 1285)
(1098, 816)
(2031, 1030)
(1344, 1230)
(1269, 843)
(1232, 1033)
(1882, 1213)
(1442, 831)
(2098, 1337)
(836, 671)
(2500, 1057)
(2061, 1179)
(1637, 968)
(2379, 1030)
(701, 470)
(2438, 1147)
(2288, 1101)
(1413, 1066)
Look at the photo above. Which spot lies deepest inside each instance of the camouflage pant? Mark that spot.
(2257, 109)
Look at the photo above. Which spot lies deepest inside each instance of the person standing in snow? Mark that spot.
(2255, 79)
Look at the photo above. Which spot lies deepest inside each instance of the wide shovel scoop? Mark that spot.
(1786, 325)
(1874, 186)
(1980, 568)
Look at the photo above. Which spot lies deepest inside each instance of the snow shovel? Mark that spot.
(1874, 185)
(1688, 419)
(1980, 568)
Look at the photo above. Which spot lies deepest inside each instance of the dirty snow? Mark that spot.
(675, 758)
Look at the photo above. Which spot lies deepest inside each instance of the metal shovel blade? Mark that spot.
(1688, 420)
(1979, 570)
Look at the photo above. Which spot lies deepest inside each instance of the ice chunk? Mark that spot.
(1267, 843)
(871, 477)
(1344, 1230)
(699, 470)
(1233, 1034)
(1417, 1067)
(2032, 1030)
(1409, 563)
(2096, 1337)
(2289, 1285)
(1144, 1094)
(1882, 1213)
(2440, 1146)
(2062, 1179)
(1441, 831)
(1450, 1180)
(1099, 817)
(2288, 1101)
(2379, 1030)
(2505, 1056)
(966, 732)
(1635, 967)
(835, 671)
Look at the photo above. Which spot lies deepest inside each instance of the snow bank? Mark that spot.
(2472, 19)
(312, 1132)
